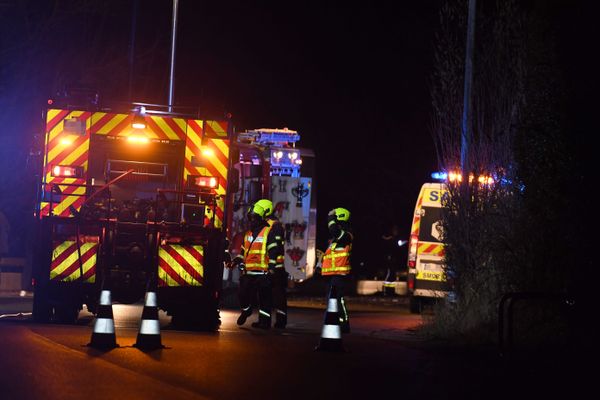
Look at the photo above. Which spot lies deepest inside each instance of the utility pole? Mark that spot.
(173, 37)
(134, 13)
(467, 123)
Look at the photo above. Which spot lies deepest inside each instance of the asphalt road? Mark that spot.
(384, 358)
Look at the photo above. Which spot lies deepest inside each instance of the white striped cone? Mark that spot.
(149, 334)
(331, 334)
(103, 335)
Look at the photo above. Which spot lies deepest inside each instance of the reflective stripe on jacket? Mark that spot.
(336, 261)
(255, 251)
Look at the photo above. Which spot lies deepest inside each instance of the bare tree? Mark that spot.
(480, 235)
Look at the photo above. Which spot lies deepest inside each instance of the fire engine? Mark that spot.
(270, 165)
(139, 196)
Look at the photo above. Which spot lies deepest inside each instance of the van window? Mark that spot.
(431, 224)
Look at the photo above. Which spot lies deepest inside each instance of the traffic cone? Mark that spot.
(149, 335)
(331, 334)
(103, 336)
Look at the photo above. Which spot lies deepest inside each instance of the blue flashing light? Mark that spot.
(441, 176)
(265, 136)
(277, 137)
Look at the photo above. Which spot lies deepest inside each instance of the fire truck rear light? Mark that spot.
(64, 171)
(206, 182)
(412, 263)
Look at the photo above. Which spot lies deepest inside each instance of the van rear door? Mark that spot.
(426, 271)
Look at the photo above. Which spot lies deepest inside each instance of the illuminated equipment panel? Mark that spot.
(285, 162)
(278, 147)
(269, 137)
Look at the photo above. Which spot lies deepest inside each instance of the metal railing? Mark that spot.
(506, 313)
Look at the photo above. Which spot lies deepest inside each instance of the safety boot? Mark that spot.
(261, 325)
(264, 321)
(280, 321)
(243, 317)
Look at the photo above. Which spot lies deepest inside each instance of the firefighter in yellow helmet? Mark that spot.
(336, 260)
(257, 261)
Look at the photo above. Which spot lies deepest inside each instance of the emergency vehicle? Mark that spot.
(139, 197)
(426, 272)
(270, 165)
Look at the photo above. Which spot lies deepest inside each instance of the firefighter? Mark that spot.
(336, 260)
(276, 257)
(391, 250)
(255, 283)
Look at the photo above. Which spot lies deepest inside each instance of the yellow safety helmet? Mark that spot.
(263, 207)
(341, 214)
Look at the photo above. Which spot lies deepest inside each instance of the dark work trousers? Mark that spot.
(256, 290)
(390, 278)
(341, 283)
(280, 282)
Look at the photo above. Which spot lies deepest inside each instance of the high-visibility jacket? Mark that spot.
(255, 251)
(336, 261)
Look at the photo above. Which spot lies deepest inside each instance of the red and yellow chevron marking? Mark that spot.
(431, 249)
(63, 148)
(61, 208)
(180, 265)
(215, 164)
(65, 265)
(119, 125)
(416, 226)
(216, 129)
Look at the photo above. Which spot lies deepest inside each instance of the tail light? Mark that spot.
(65, 171)
(411, 282)
(412, 251)
(206, 182)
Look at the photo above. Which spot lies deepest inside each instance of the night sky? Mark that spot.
(352, 79)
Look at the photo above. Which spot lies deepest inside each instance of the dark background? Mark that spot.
(351, 78)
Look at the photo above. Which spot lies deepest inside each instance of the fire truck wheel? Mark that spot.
(416, 305)
(42, 312)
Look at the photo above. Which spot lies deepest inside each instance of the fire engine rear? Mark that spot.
(131, 199)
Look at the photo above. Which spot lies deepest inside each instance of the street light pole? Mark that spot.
(173, 37)
(134, 13)
(467, 125)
